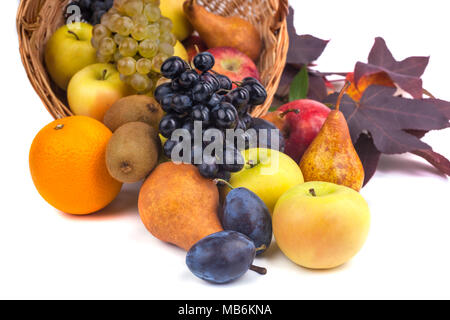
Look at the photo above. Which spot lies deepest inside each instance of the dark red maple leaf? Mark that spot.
(303, 49)
(386, 118)
(369, 156)
(406, 73)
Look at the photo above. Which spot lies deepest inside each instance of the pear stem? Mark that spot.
(313, 192)
(225, 182)
(257, 269)
(76, 36)
(341, 94)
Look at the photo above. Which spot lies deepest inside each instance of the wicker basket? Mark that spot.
(38, 19)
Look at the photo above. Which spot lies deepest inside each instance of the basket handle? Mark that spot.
(281, 14)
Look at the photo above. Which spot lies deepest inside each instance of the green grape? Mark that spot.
(112, 22)
(153, 2)
(133, 7)
(103, 58)
(140, 19)
(153, 31)
(140, 82)
(124, 78)
(100, 32)
(157, 61)
(166, 48)
(128, 47)
(165, 24)
(107, 46)
(144, 66)
(124, 25)
(126, 66)
(148, 48)
(117, 56)
(152, 13)
(139, 32)
(94, 42)
(119, 5)
(118, 38)
(104, 20)
(168, 37)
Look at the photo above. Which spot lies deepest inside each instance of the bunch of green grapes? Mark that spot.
(134, 36)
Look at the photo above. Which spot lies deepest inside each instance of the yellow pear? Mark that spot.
(173, 9)
(331, 156)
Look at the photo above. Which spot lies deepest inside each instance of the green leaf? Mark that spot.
(299, 86)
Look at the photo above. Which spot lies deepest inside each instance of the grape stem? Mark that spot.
(257, 269)
(262, 247)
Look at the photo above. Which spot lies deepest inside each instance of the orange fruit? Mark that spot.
(68, 167)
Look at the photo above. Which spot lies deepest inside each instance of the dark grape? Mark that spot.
(200, 113)
(221, 257)
(181, 103)
(90, 11)
(238, 97)
(214, 100)
(232, 161)
(224, 83)
(261, 124)
(258, 93)
(245, 212)
(169, 123)
(162, 90)
(204, 61)
(225, 115)
(188, 79)
(211, 79)
(224, 175)
(172, 67)
(208, 168)
(201, 91)
(166, 102)
(168, 147)
(247, 120)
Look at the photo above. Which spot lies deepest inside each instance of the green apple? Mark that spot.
(93, 90)
(268, 173)
(68, 51)
(321, 225)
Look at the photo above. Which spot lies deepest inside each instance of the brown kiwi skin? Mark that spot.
(133, 152)
(133, 108)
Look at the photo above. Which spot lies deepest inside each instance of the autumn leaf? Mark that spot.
(368, 154)
(387, 117)
(406, 73)
(303, 49)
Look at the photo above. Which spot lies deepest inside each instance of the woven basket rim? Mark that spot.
(29, 20)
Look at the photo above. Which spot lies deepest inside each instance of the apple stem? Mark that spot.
(71, 32)
(225, 182)
(312, 192)
(296, 111)
(104, 74)
(257, 269)
(341, 94)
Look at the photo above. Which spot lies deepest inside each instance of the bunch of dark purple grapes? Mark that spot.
(203, 95)
(90, 11)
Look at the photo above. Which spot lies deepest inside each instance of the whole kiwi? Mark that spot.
(133, 108)
(132, 152)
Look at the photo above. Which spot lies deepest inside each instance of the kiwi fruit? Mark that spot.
(133, 152)
(133, 108)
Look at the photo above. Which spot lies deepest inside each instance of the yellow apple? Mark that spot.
(320, 225)
(94, 89)
(180, 51)
(68, 51)
(173, 9)
(268, 173)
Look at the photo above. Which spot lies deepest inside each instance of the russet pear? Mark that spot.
(331, 156)
(179, 206)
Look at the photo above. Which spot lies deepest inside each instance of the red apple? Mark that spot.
(299, 121)
(194, 44)
(233, 63)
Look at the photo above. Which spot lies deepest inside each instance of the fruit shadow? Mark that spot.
(405, 164)
(125, 204)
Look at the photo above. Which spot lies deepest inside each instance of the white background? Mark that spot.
(48, 254)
